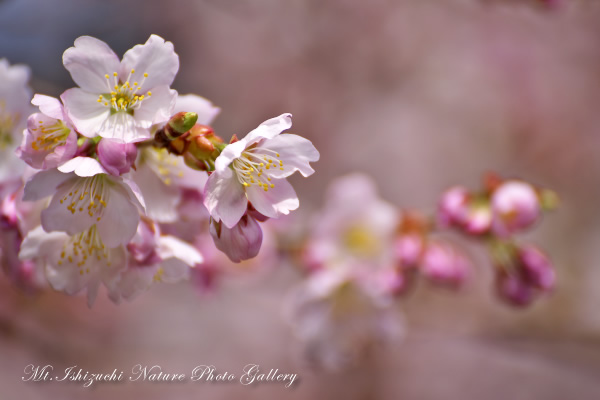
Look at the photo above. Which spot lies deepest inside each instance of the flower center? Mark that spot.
(123, 96)
(361, 241)
(252, 167)
(83, 246)
(7, 124)
(50, 136)
(88, 195)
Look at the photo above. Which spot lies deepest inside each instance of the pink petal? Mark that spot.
(44, 184)
(83, 167)
(279, 200)
(50, 106)
(120, 219)
(84, 111)
(270, 128)
(224, 198)
(88, 62)
(156, 108)
(295, 152)
(156, 57)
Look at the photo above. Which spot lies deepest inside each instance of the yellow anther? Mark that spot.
(269, 178)
(149, 93)
(106, 76)
(272, 185)
(145, 74)
(246, 184)
(277, 154)
(132, 71)
(115, 74)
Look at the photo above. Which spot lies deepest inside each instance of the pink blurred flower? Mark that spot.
(254, 169)
(515, 207)
(74, 263)
(116, 157)
(83, 196)
(15, 106)
(120, 99)
(526, 274)
(49, 139)
(461, 209)
(354, 228)
(444, 264)
(338, 319)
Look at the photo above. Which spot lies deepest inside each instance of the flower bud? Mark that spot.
(513, 289)
(116, 157)
(453, 206)
(239, 243)
(515, 206)
(537, 268)
(9, 216)
(409, 249)
(444, 264)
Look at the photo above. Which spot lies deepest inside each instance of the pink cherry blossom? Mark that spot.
(84, 195)
(49, 139)
(444, 264)
(254, 169)
(515, 207)
(120, 99)
(77, 262)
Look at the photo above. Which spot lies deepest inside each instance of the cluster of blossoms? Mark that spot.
(122, 182)
(115, 164)
(496, 215)
(361, 254)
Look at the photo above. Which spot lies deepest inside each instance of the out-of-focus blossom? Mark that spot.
(524, 274)
(444, 264)
(153, 258)
(85, 195)
(115, 156)
(254, 169)
(515, 206)
(120, 99)
(77, 262)
(355, 227)
(15, 106)
(461, 209)
(338, 319)
(49, 139)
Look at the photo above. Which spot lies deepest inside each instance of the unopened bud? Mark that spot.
(181, 122)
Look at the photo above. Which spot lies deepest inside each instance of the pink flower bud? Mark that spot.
(537, 268)
(444, 264)
(116, 157)
(409, 249)
(458, 208)
(513, 289)
(515, 207)
(9, 216)
(453, 206)
(239, 243)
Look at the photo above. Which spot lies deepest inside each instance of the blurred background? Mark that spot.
(421, 95)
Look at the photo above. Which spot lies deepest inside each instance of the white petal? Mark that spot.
(57, 217)
(276, 201)
(161, 199)
(156, 57)
(124, 127)
(171, 247)
(83, 167)
(44, 184)
(270, 128)
(134, 193)
(89, 61)
(174, 271)
(50, 106)
(229, 153)
(156, 108)
(84, 111)
(192, 103)
(38, 243)
(120, 219)
(224, 198)
(295, 152)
